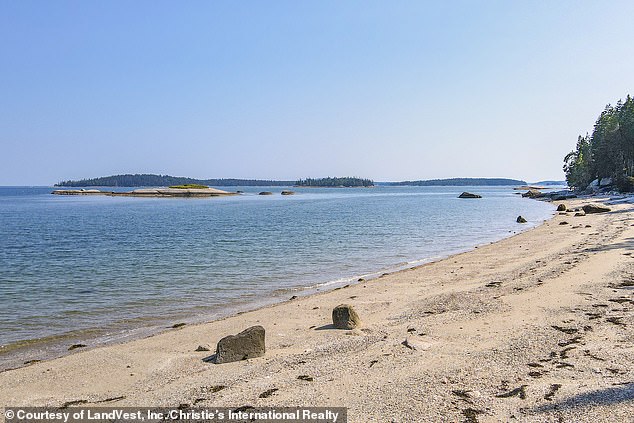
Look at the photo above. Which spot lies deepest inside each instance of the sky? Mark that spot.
(388, 90)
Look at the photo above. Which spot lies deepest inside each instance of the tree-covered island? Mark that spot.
(346, 182)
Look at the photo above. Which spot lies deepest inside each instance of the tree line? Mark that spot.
(608, 152)
(335, 182)
(150, 180)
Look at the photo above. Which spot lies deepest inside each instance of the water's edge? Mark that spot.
(28, 352)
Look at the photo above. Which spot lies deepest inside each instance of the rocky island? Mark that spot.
(174, 191)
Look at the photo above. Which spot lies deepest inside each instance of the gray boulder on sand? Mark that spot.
(561, 207)
(344, 317)
(469, 195)
(595, 208)
(520, 219)
(247, 344)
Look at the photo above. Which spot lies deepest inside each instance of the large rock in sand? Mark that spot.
(344, 317)
(595, 208)
(247, 344)
(561, 207)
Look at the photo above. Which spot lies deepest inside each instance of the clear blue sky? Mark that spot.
(388, 90)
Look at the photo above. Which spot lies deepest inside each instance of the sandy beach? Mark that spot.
(537, 327)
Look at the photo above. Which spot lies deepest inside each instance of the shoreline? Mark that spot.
(46, 351)
(480, 318)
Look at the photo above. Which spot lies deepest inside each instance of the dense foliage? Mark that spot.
(461, 182)
(608, 152)
(149, 180)
(335, 182)
(189, 186)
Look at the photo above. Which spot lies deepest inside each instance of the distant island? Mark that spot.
(150, 180)
(346, 182)
(550, 183)
(459, 182)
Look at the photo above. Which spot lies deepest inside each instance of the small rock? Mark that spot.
(469, 195)
(286, 192)
(247, 344)
(520, 219)
(266, 193)
(595, 208)
(344, 317)
(203, 348)
(580, 214)
(563, 222)
(416, 345)
(75, 346)
(561, 207)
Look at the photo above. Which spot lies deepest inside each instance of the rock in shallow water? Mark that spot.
(469, 195)
(344, 317)
(247, 344)
(520, 219)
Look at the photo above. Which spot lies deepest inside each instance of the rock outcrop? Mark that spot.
(469, 195)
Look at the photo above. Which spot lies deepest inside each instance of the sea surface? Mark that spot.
(95, 270)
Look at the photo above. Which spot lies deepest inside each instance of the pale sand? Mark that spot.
(480, 318)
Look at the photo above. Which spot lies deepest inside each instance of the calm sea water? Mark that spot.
(102, 269)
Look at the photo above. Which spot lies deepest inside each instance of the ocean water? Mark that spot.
(103, 269)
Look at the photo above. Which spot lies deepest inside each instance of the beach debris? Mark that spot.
(595, 208)
(561, 207)
(517, 392)
(471, 415)
(553, 390)
(203, 348)
(306, 378)
(469, 195)
(345, 317)
(569, 331)
(615, 320)
(287, 192)
(373, 362)
(71, 403)
(247, 344)
(75, 346)
(267, 393)
(463, 394)
(178, 325)
(520, 219)
(416, 345)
